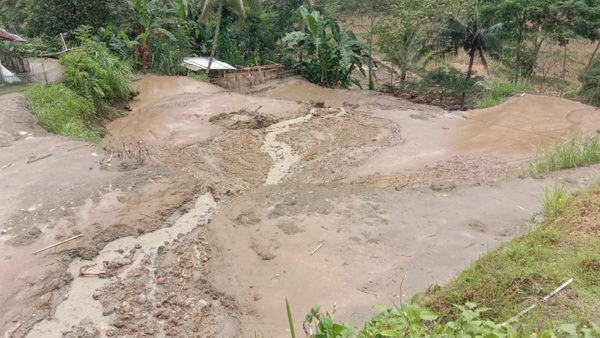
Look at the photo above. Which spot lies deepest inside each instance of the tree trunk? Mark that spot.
(402, 77)
(593, 55)
(464, 94)
(564, 72)
(371, 85)
(518, 56)
(216, 38)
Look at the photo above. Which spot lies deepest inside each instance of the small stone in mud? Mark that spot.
(126, 307)
(443, 186)
(141, 299)
(97, 294)
(160, 250)
(108, 311)
(110, 333)
(132, 251)
(257, 297)
(138, 246)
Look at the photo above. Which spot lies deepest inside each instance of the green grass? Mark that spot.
(500, 92)
(521, 272)
(578, 152)
(61, 111)
(198, 76)
(554, 200)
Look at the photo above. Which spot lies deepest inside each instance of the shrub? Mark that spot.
(93, 72)
(590, 90)
(60, 110)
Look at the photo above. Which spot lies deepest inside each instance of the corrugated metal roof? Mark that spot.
(4, 35)
(202, 63)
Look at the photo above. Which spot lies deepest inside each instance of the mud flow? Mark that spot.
(203, 209)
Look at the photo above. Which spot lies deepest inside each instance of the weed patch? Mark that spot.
(577, 152)
(60, 110)
(500, 92)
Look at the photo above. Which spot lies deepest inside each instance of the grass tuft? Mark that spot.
(577, 152)
(60, 110)
(554, 200)
(500, 92)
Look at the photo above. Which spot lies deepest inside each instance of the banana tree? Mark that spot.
(148, 21)
(331, 55)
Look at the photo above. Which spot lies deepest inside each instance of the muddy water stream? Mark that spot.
(282, 154)
(80, 303)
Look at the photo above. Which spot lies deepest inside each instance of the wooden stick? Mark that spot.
(522, 313)
(154, 218)
(41, 157)
(317, 249)
(57, 244)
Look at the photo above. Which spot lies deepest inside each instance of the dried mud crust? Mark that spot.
(446, 175)
(331, 145)
(167, 296)
(229, 164)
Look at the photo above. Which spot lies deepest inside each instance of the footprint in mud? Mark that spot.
(478, 225)
(289, 227)
(264, 247)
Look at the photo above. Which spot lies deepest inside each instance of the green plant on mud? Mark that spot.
(578, 152)
(60, 110)
(499, 92)
(554, 200)
(413, 320)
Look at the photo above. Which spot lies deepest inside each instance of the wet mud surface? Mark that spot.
(203, 210)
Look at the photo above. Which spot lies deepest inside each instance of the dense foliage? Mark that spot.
(94, 79)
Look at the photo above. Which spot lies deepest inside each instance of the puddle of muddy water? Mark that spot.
(80, 305)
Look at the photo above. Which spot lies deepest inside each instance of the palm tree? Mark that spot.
(475, 39)
(409, 51)
(238, 8)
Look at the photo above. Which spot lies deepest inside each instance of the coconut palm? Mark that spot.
(237, 7)
(475, 39)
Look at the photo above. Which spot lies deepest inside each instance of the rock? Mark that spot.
(138, 246)
(110, 333)
(126, 307)
(97, 294)
(108, 311)
(141, 298)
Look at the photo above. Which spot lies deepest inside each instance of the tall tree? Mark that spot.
(52, 17)
(471, 36)
(527, 20)
(236, 5)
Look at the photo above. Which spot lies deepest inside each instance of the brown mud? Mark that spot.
(204, 209)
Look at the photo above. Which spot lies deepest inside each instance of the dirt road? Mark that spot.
(203, 209)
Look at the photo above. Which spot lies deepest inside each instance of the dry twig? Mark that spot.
(57, 244)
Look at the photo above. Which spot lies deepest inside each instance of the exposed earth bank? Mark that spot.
(203, 209)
